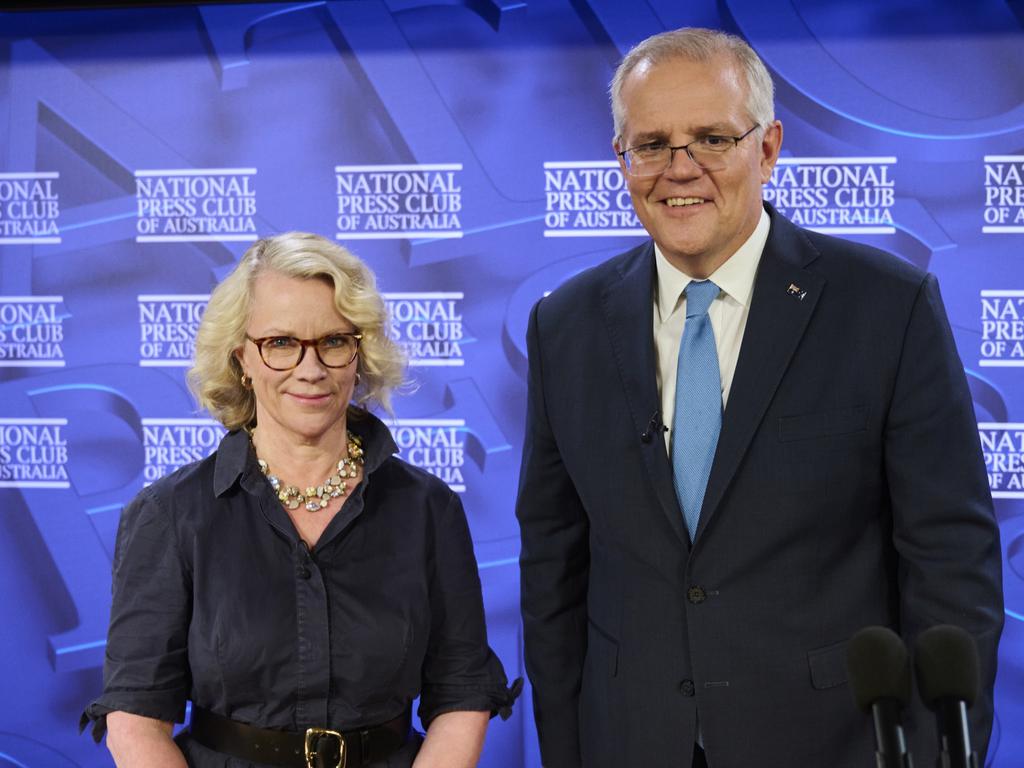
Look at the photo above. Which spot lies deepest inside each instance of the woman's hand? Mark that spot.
(454, 740)
(142, 742)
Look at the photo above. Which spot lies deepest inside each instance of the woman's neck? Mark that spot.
(298, 460)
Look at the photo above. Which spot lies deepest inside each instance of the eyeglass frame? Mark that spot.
(672, 151)
(305, 343)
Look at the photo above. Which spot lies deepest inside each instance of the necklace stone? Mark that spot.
(318, 497)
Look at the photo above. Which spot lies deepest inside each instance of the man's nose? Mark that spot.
(682, 165)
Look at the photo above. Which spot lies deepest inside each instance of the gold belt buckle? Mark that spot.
(312, 735)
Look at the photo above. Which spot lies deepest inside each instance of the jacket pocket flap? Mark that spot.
(839, 421)
(828, 665)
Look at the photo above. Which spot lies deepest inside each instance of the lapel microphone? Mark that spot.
(879, 672)
(653, 427)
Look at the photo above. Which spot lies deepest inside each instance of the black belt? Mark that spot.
(316, 748)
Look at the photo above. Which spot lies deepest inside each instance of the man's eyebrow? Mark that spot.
(651, 137)
(718, 129)
(661, 137)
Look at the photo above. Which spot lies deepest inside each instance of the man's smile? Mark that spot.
(674, 202)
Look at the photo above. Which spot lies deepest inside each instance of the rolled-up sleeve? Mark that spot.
(460, 671)
(146, 671)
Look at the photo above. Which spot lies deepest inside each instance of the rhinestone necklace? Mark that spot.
(318, 497)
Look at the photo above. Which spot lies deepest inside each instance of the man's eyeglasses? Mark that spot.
(282, 353)
(709, 152)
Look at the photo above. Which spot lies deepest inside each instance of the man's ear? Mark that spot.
(771, 144)
(616, 148)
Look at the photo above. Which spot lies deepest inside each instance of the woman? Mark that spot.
(302, 585)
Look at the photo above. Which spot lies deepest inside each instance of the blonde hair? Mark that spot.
(215, 378)
(702, 45)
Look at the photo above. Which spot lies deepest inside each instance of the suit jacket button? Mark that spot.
(696, 595)
(305, 573)
(686, 687)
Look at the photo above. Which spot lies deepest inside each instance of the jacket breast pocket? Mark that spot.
(837, 421)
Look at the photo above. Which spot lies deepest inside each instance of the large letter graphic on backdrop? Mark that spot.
(104, 463)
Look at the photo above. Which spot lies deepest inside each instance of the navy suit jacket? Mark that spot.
(847, 490)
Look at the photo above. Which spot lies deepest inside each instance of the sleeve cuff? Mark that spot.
(440, 699)
(159, 705)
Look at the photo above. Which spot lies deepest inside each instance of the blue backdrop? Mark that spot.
(463, 150)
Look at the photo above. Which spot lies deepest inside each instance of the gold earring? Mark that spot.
(358, 378)
(246, 381)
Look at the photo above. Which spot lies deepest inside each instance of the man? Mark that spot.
(687, 600)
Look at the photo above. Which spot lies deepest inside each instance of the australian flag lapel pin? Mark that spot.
(797, 291)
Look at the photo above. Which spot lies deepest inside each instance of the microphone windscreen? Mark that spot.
(946, 659)
(878, 667)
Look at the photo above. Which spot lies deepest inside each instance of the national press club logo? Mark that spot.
(1002, 329)
(33, 453)
(1004, 195)
(195, 205)
(588, 198)
(32, 331)
(389, 202)
(428, 326)
(1002, 444)
(435, 445)
(835, 195)
(29, 208)
(167, 328)
(172, 443)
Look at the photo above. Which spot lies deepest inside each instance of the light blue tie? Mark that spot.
(698, 416)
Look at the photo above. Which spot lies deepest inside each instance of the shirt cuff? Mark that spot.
(440, 699)
(165, 706)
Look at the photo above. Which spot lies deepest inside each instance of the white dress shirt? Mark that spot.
(728, 314)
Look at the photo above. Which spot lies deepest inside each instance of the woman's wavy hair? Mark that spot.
(215, 378)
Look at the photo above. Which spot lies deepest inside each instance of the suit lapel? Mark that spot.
(628, 314)
(776, 323)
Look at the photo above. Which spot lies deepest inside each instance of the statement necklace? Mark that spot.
(318, 497)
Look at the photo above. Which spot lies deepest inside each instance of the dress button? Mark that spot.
(696, 595)
(305, 573)
(686, 687)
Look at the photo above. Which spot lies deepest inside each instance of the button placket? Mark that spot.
(313, 639)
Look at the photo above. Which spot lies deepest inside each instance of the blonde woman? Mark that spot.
(302, 585)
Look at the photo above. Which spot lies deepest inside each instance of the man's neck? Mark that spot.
(696, 267)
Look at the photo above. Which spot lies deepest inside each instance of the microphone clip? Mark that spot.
(654, 426)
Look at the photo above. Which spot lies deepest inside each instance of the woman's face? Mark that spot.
(308, 402)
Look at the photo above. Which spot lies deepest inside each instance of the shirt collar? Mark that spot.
(735, 276)
(235, 455)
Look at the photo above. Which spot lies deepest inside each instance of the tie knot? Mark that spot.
(699, 295)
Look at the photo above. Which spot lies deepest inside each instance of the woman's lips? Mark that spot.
(310, 399)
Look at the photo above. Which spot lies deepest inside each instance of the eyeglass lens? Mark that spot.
(654, 162)
(285, 352)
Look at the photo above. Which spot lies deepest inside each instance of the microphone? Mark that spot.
(879, 673)
(653, 426)
(946, 659)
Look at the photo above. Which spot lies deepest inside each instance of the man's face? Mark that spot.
(698, 218)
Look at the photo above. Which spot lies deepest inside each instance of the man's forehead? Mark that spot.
(721, 65)
(683, 94)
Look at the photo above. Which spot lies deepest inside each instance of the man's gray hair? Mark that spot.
(698, 44)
